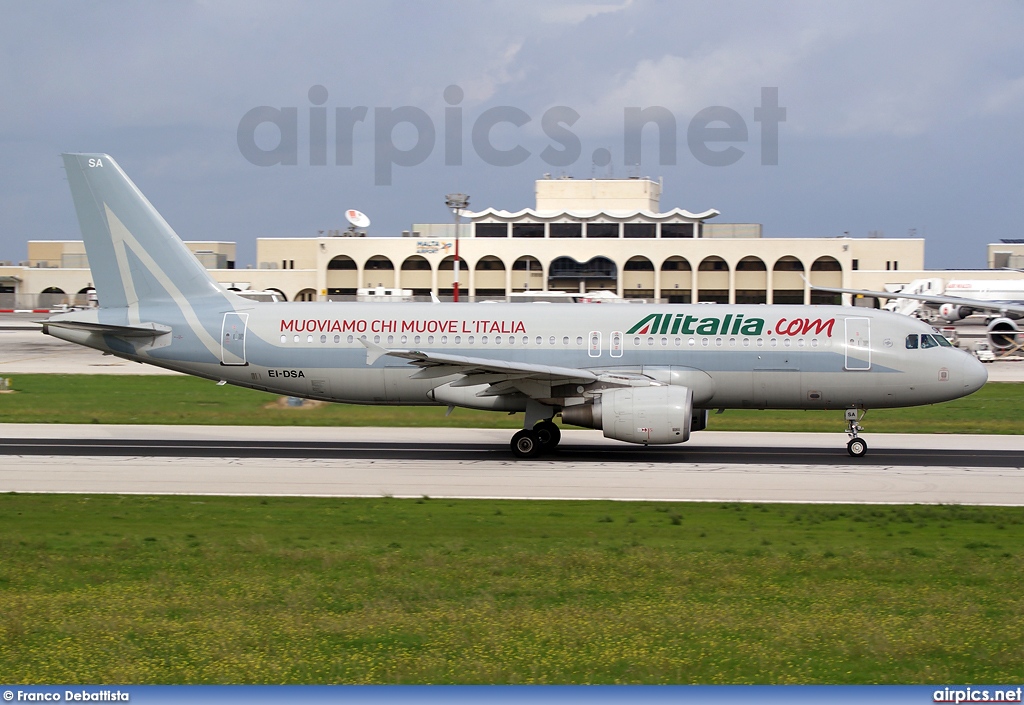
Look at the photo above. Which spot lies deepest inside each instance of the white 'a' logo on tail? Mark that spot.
(123, 241)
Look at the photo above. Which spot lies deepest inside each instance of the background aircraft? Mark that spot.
(640, 373)
(1003, 299)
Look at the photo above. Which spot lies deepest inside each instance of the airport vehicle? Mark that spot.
(644, 374)
(983, 352)
(1003, 299)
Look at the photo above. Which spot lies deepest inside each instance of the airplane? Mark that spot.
(1002, 330)
(646, 374)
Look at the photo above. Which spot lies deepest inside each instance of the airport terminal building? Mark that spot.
(583, 235)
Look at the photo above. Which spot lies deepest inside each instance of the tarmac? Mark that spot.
(476, 463)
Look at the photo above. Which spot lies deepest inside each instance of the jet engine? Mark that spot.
(954, 312)
(647, 415)
(1002, 333)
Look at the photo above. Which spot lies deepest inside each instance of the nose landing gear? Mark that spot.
(857, 446)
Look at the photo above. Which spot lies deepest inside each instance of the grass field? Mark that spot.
(108, 589)
(996, 408)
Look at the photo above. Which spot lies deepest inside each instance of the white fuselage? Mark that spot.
(796, 357)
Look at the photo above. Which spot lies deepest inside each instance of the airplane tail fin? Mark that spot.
(133, 253)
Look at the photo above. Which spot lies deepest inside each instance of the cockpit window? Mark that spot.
(912, 341)
(943, 341)
(928, 341)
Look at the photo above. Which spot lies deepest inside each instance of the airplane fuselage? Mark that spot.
(797, 357)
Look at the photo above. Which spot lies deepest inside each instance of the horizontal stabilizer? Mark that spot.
(145, 330)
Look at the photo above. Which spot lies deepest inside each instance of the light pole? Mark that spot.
(458, 202)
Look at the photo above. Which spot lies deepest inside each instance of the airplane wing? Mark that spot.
(999, 306)
(503, 376)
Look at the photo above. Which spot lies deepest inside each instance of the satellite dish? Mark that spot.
(357, 219)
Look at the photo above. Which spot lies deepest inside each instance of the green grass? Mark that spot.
(111, 589)
(996, 408)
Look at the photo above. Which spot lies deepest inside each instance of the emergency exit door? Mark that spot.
(232, 339)
(858, 343)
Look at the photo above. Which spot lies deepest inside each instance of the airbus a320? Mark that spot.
(646, 374)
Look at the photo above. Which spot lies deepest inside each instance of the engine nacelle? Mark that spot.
(954, 312)
(1002, 333)
(647, 415)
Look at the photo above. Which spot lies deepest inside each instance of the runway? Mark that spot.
(476, 463)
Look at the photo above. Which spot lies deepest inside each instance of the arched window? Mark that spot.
(788, 281)
(751, 281)
(341, 262)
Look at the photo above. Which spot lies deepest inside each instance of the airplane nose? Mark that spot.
(975, 374)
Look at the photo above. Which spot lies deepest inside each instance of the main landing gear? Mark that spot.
(531, 442)
(857, 446)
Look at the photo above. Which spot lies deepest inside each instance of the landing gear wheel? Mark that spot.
(548, 434)
(526, 444)
(857, 446)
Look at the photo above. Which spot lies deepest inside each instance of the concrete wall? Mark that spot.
(597, 195)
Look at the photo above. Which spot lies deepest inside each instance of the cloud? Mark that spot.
(575, 13)
(165, 85)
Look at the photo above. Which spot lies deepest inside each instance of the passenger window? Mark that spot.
(912, 341)
(928, 341)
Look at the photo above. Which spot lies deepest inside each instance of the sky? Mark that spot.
(900, 119)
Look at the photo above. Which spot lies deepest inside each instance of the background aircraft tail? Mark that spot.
(133, 253)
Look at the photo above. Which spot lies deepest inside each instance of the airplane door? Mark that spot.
(232, 339)
(858, 343)
(595, 343)
(616, 347)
